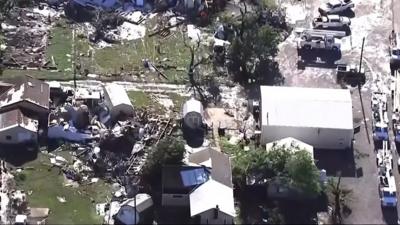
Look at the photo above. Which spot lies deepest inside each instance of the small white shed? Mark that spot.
(117, 100)
(319, 117)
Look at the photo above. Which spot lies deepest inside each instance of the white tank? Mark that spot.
(192, 114)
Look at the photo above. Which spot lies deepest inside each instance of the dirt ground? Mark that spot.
(372, 20)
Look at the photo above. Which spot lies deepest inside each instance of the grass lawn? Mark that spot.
(61, 47)
(39, 74)
(141, 99)
(178, 101)
(47, 184)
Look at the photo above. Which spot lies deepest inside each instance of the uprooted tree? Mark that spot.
(169, 151)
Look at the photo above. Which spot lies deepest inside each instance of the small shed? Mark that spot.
(117, 101)
(291, 143)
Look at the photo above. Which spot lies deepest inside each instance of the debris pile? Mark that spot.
(111, 149)
(26, 32)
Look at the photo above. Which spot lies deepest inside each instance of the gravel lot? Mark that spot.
(373, 20)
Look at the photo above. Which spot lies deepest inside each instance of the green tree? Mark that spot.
(169, 151)
(292, 165)
(253, 48)
(303, 172)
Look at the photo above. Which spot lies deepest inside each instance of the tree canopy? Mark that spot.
(169, 151)
(296, 167)
(253, 48)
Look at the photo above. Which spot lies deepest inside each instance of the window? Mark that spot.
(177, 196)
(8, 137)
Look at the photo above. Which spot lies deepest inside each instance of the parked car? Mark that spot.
(331, 22)
(335, 7)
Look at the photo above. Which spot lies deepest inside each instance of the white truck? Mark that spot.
(394, 40)
(318, 42)
(335, 7)
(387, 190)
(331, 22)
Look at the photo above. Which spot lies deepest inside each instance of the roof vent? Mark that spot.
(30, 84)
(216, 212)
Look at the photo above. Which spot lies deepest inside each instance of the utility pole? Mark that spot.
(361, 56)
(359, 92)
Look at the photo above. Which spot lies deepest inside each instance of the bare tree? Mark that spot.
(195, 86)
(338, 198)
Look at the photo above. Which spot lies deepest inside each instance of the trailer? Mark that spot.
(350, 74)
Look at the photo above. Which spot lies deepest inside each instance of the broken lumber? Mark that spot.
(166, 28)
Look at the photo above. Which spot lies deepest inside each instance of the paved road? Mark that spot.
(396, 16)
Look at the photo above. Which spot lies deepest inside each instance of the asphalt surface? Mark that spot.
(373, 20)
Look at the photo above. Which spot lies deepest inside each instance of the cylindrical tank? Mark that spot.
(193, 114)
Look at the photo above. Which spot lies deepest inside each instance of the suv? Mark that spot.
(335, 7)
(331, 21)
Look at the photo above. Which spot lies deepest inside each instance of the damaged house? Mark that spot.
(205, 186)
(23, 108)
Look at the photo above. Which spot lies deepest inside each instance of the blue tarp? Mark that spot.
(128, 215)
(71, 134)
(194, 177)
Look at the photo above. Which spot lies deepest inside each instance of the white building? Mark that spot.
(212, 203)
(117, 100)
(15, 128)
(291, 143)
(319, 117)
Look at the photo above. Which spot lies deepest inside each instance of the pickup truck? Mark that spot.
(331, 22)
(335, 7)
(325, 42)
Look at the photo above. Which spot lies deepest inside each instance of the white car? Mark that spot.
(331, 21)
(335, 7)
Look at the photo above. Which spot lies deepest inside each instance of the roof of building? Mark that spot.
(219, 163)
(15, 118)
(291, 143)
(192, 105)
(212, 194)
(85, 93)
(306, 107)
(182, 179)
(117, 94)
(28, 89)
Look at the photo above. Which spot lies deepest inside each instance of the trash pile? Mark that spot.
(26, 33)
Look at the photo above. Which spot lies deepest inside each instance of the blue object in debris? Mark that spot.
(195, 176)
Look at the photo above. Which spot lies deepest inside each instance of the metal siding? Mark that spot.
(324, 138)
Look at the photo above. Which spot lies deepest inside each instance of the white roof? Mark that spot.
(292, 143)
(335, 17)
(306, 107)
(117, 94)
(143, 202)
(209, 195)
(85, 93)
(192, 105)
